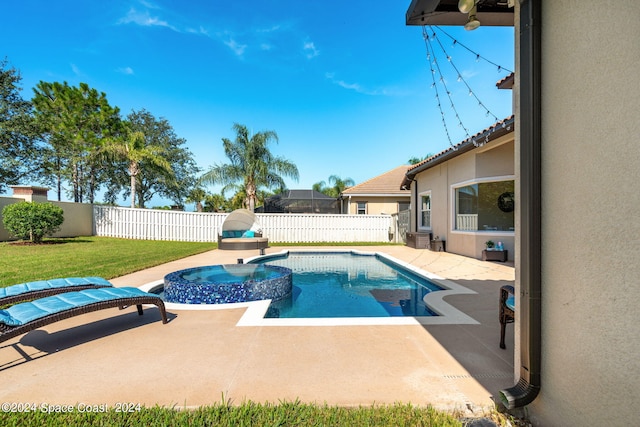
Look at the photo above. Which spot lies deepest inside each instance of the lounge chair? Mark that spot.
(27, 316)
(45, 288)
(241, 231)
(507, 309)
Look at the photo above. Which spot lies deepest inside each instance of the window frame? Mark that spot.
(421, 226)
(453, 205)
(358, 208)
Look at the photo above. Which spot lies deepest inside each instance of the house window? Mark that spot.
(425, 210)
(362, 208)
(485, 206)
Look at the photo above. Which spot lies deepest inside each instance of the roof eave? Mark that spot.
(445, 12)
(494, 132)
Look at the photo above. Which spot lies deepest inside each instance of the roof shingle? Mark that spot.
(387, 183)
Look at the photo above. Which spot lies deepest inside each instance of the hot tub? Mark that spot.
(228, 283)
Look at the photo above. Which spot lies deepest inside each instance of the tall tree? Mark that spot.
(337, 186)
(197, 195)
(172, 180)
(252, 164)
(133, 151)
(20, 151)
(78, 122)
(215, 203)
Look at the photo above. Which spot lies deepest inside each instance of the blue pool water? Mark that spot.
(349, 285)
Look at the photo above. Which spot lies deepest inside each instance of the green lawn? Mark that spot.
(88, 256)
(248, 414)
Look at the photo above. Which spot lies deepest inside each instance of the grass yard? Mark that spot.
(88, 256)
(248, 414)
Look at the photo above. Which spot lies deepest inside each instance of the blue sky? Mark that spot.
(346, 85)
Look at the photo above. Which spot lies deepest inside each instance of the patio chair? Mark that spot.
(27, 316)
(45, 288)
(241, 231)
(507, 309)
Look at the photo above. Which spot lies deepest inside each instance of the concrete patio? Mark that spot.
(200, 357)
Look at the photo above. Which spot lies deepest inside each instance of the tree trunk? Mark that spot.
(133, 191)
(251, 195)
(133, 171)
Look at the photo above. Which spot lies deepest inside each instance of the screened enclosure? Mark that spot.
(300, 201)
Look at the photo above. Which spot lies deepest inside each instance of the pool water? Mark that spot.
(228, 273)
(349, 285)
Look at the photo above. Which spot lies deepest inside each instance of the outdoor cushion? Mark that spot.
(26, 312)
(52, 284)
(511, 302)
(232, 233)
(248, 233)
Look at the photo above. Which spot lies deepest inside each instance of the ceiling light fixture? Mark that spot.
(473, 22)
(465, 6)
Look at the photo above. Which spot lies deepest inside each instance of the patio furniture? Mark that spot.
(45, 288)
(507, 309)
(495, 255)
(419, 240)
(27, 316)
(241, 231)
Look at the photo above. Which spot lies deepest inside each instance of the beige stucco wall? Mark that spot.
(495, 159)
(376, 205)
(78, 218)
(590, 202)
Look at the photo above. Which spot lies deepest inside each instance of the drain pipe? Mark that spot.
(528, 387)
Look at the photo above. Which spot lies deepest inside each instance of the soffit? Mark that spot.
(445, 12)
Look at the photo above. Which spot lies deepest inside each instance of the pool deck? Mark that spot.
(202, 356)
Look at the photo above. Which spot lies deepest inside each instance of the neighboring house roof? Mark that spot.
(483, 137)
(507, 82)
(387, 184)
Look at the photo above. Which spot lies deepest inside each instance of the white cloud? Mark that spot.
(357, 87)
(76, 70)
(236, 47)
(125, 70)
(145, 19)
(310, 50)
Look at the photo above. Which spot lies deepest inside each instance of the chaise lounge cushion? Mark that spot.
(226, 234)
(26, 312)
(42, 285)
(511, 302)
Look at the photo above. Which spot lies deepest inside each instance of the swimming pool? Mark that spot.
(255, 311)
(340, 284)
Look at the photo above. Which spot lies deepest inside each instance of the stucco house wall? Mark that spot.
(493, 160)
(590, 233)
(376, 205)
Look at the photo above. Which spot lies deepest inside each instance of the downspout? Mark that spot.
(530, 211)
(415, 208)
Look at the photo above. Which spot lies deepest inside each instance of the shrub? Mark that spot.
(31, 220)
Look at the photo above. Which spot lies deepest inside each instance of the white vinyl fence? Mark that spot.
(152, 224)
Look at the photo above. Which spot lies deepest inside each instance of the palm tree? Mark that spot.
(197, 195)
(215, 203)
(134, 151)
(339, 184)
(252, 164)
